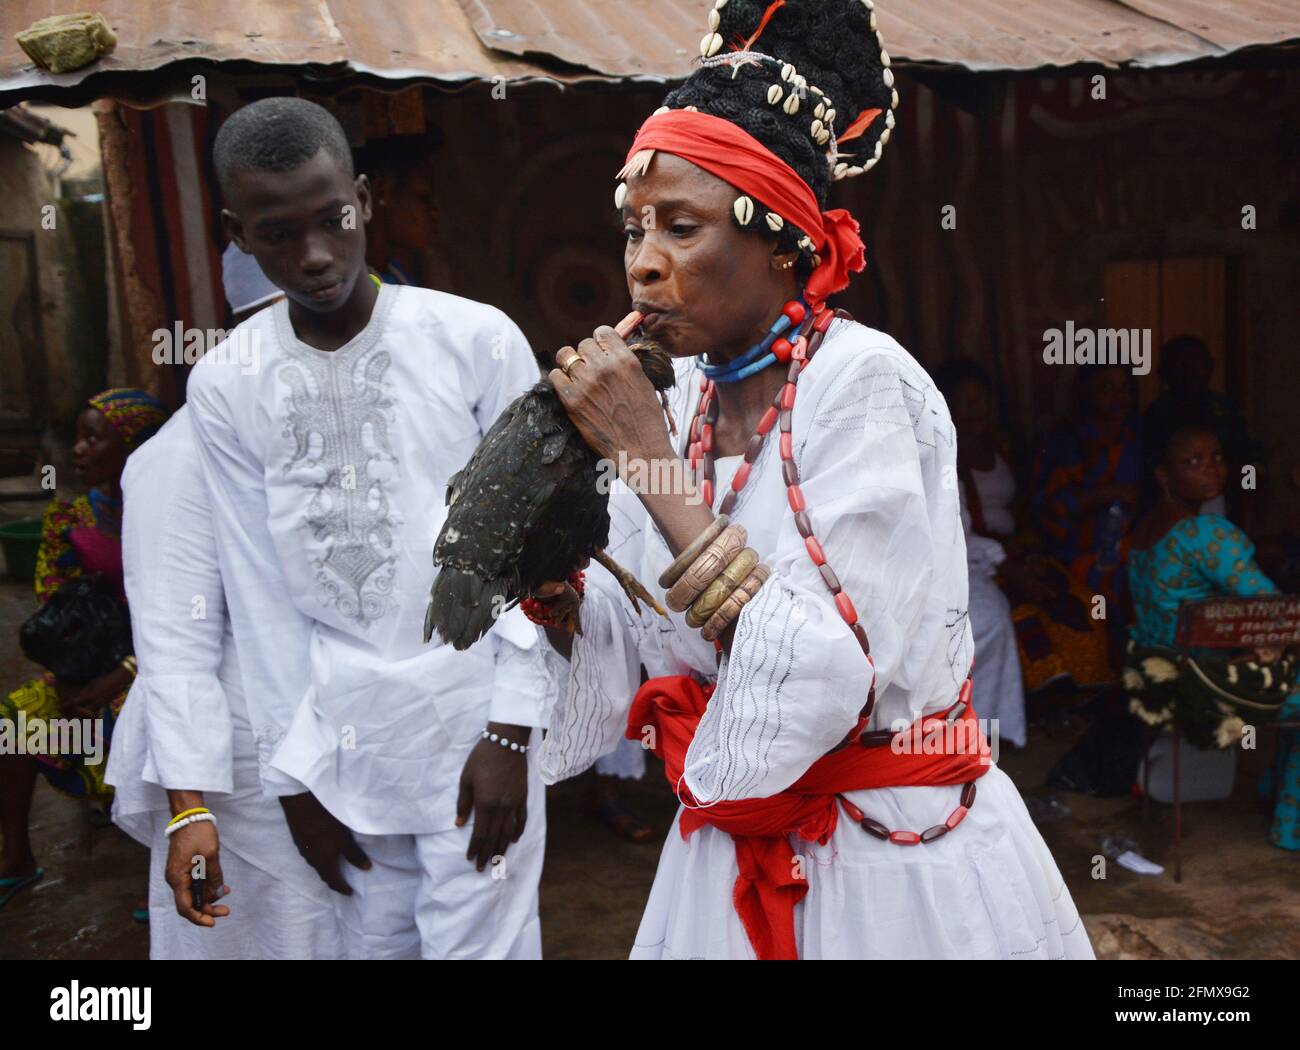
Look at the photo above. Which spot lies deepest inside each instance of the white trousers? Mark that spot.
(422, 899)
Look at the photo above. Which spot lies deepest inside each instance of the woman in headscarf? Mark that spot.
(79, 537)
(820, 635)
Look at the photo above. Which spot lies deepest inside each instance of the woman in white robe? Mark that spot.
(875, 452)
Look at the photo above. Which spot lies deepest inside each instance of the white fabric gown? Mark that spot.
(876, 453)
(185, 726)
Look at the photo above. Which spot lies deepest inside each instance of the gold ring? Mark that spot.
(573, 358)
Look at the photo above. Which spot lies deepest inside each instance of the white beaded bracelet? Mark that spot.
(496, 738)
(172, 828)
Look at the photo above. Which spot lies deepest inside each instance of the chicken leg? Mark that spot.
(632, 587)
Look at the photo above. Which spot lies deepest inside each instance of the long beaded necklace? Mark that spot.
(812, 332)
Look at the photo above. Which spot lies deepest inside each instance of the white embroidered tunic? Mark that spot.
(327, 474)
(876, 453)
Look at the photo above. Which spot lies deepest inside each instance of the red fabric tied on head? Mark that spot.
(736, 157)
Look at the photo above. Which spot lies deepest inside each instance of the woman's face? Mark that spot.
(1109, 394)
(99, 454)
(1194, 470)
(704, 285)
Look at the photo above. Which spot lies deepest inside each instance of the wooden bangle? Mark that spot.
(674, 571)
(729, 610)
(720, 589)
(704, 569)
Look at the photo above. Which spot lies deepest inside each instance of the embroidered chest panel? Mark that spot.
(338, 414)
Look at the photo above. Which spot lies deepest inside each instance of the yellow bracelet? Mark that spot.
(188, 813)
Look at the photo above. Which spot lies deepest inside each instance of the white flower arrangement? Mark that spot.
(1230, 730)
(1151, 718)
(1159, 670)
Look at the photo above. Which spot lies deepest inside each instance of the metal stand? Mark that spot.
(1178, 806)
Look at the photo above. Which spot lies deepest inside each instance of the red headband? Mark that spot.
(736, 157)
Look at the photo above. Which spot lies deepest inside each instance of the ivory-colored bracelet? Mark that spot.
(729, 610)
(696, 547)
(197, 818)
(704, 569)
(129, 663)
(189, 813)
(716, 593)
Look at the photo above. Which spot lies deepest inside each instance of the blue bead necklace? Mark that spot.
(768, 351)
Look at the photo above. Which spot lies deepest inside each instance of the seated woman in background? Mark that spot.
(1056, 636)
(1178, 554)
(1085, 491)
(79, 537)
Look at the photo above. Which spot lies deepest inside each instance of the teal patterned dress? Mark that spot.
(1206, 557)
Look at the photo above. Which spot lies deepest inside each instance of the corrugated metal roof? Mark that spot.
(573, 40)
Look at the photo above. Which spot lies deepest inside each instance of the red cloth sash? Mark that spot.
(736, 157)
(767, 887)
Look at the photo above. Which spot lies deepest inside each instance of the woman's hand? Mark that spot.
(86, 701)
(611, 402)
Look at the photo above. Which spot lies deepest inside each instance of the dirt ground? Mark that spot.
(1239, 898)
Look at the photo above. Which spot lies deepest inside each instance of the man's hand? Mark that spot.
(193, 851)
(494, 785)
(322, 839)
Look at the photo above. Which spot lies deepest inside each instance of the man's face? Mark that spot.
(305, 227)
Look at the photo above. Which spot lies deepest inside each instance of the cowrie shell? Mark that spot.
(744, 210)
(715, 20)
(820, 110)
(791, 104)
(823, 137)
(884, 58)
(787, 71)
(888, 77)
(774, 221)
(830, 116)
(840, 170)
(816, 128)
(870, 164)
(884, 136)
(889, 119)
(774, 94)
(710, 45)
(661, 109)
(620, 194)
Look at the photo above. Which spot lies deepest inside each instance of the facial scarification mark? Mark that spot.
(344, 407)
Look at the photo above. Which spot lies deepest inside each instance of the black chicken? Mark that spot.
(526, 509)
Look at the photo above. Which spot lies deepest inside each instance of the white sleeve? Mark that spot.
(503, 368)
(177, 620)
(796, 678)
(596, 685)
(272, 637)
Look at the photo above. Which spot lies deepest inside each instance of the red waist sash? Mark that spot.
(770, 883)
